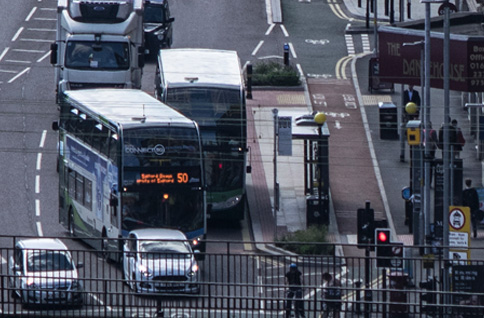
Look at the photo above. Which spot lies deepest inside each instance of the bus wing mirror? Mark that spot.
(141, 56)
(113, 201)
(249, 169)
(53, 53)
(55, 125)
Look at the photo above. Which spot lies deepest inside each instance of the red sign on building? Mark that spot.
(401, 63)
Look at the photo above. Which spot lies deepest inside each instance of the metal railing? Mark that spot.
(235, 281)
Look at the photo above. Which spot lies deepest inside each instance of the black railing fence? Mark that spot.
(236, 280)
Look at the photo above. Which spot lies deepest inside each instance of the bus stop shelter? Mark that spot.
(315, 140)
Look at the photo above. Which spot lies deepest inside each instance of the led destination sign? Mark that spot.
(163, 178)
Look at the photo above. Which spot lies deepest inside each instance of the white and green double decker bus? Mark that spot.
(128, 161)
(207, 86)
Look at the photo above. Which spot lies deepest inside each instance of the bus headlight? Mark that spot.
(227, 204)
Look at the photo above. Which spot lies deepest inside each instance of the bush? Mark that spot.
(271, 73)
(316, 235)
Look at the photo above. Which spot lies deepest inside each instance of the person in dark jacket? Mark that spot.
(470, 198)
(294, 282)
(411, 95)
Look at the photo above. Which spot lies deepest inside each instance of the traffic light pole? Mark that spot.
(367, 282)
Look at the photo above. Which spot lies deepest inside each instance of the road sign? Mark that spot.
(397, 255)
(457, 219)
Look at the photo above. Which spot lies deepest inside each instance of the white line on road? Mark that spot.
(3, 53)
(39, 229)
(37, 184)
(43, 57)
(31, 14)
(15, 37)
(18, 75)
(39, 161)
(269, 29)
(257, 47)
(37, 207)
(284, 31)
(293, 51)
(42, 139)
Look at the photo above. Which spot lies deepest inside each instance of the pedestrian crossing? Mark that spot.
(357, 43)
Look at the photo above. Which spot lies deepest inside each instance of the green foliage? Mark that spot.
(271, 73)
(307, 242)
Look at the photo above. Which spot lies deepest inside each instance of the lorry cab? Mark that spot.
(157, 24)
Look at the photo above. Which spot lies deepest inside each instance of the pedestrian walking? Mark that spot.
(459, 139)
(409, 95)
(331, 296)
(470, 198)
(452, 137)
(294, 292)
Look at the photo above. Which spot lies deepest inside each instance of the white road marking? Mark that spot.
(31, 14)
(37, 184)
(3, 53)
(18, 75)
(16, 35)
(270, 28)
(257, 48)
(37, 207)
(284, 31)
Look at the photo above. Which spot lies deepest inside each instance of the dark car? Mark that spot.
(157, 24)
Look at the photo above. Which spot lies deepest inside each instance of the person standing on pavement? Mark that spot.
(409, 95)
(294, 283)
(331, 296)
(470, 198)
(452, 137)
(459, 139)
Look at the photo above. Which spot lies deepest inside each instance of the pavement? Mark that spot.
(291, 216)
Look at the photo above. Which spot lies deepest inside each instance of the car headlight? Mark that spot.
(31, 283)
(145, 272)
(194, 270)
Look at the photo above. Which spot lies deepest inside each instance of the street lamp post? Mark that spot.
(320, 119)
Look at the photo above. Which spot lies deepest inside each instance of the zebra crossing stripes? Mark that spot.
(350, 45)
(365, 40)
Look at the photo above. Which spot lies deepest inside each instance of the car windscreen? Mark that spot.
(48, 261)
(163, 249)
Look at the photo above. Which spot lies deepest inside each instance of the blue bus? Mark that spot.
(128, 161)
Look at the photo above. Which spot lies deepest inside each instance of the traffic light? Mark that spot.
(430, 297)
(365, 220)
(383, 247)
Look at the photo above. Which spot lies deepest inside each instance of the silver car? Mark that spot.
(42, 272)
(160, 261)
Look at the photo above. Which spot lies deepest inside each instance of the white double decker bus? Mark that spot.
(128, 161)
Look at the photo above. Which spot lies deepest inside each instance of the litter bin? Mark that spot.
(316, 214)
(388, 121)
(398, 295)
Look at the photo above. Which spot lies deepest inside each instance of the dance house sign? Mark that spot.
(401, 63)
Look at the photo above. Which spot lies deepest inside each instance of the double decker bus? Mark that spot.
(128, 161)
(207, 86)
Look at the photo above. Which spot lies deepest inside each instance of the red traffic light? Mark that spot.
(382, 236)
